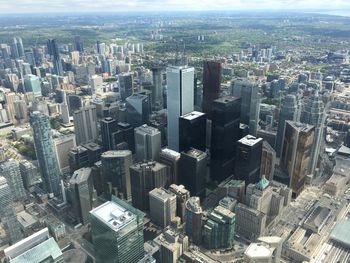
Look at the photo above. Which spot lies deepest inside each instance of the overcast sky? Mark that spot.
(40, 6)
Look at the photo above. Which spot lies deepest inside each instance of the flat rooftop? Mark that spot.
(111, 154)
(341, 233)
(250, 140)
(193, 115)
(258, 251)
(113, 215)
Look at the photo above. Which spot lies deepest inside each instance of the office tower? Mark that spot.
(10, 170)
(125, 134)
(78, 158)
(10, 98)
(249, 93)
(193, 170)
(126, 85)
(94, 152)
(180, 81)
(162, 205)
(44, 149)
(96, 84)
(172, 245)
(224, 135)
(62, 146)
(52, 49)
(211, 84)
(116, 173)
(138, 109)
(268, 161)
(100, 48)
(117, 232)
(288, 113)
(39, 247)
(157, 88)
(74, 103)
(267, 249)
(248, 159)
(20, 47)
(32, 84)
(296, 154)
(108, 128)
(314, 114)
(147, 143)
(8, 213)
(79, 46)
(192, 131)
(85, 125)
(14, 49)
(21, 111)
(80, 194)
(30, 174)
(144, 178)
(194, 214)
(219, 229)
(182, 195)
(171, 159)
(64, 109)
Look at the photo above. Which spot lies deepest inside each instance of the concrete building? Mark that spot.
(62, 146)
(157, 88)
(182, 195)
(32, 84)
(30, 174)
(162, 206)
(10, 170)
(194, 215)
(267, 250)
(180, 98)
(171, 159)
(126, 85)
(85, 124)
(39, 247)
(117, 232)
(147, 143)
(268, 161)
(96, 84)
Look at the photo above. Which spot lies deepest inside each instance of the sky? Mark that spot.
(55, 6)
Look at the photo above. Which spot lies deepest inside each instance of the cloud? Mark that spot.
(40, 6)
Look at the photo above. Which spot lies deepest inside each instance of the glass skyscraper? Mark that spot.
(45, 152)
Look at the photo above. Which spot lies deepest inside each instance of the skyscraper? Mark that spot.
(138, 109)
(248, 159)
(32, 84)
(10, 170)
(193, 170)
(171, 159)
(117, 232)
(79, 46)
(55, 56)
(147, 143)
(211, 84)
(144, 178)
(288, 113)
(43, 142)
(268, 161)
(182, 195)
(192, 131)
(7, 212)
(249, 93)
(116, 173)
(108, 127)
(85, 124)
(314, 114)
(296, 154)
(157, 88)
(96, 84)
(180, 94)
(194, 214)
(225, 133)
(126, 86)
(29, 173)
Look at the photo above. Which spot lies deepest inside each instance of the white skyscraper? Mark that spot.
(180, 96)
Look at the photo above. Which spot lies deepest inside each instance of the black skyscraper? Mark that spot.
(193, 167)
(108, 127)
(211, 84)
(192, 131)
(225, 133)
(53, 51)
(248, 159)
(78, 44)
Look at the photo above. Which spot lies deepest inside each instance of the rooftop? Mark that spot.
(80, 175)
(250, 140)
(170, 153)
(111, 154)
(192, 115)
(258, 251)
(341, 233)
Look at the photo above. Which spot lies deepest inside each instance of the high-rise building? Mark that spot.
(79, 46)
(171, 159)
(147, 143)
(8, 213)
(249, 93)
(39, 247)
(182, 195)
(96, 84)
(180, 94)
(224, 135)
(21, 111)
(53, 51)
(32, 84)
(62, 146)
(138, 109)
(219, 229)
(78, 158)
(288, 113)
(193, 170)
(157, 88)
(85, 124)
(44, 149)
(162, 205)
(211, 84)
(10, 170)
(296, 154)
(117, 232)
(30, 174)
(144, 178)
(80, 194)
(192, 131)
(268, 161)
(268, 249)
(108, 128)
(314, 114)
(248, 159)
(116, 173)
(194, 215)
(126, 85)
